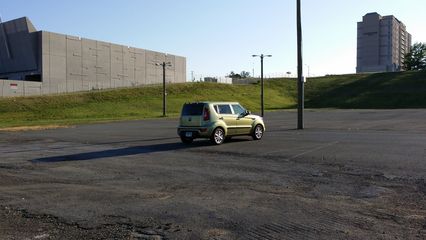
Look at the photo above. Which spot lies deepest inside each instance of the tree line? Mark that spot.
(234, 75)
(415, 60)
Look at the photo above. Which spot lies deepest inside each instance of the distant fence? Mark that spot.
(18, 88)
(245, 80)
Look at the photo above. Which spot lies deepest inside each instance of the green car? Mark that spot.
(218, 121)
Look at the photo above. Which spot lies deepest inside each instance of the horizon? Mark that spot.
(222, 38)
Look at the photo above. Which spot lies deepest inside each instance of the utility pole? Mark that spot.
(300, 83)
(164, 65)
(164, 89)
(261, 85)
(261, 81)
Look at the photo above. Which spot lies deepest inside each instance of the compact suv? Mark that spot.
(217, 121)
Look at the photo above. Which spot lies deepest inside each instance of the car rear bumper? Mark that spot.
(193, 132)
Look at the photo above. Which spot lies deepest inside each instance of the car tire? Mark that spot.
(218, 136)
(186, 140)
(257, 132)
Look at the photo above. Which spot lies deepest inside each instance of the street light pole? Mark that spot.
(261, 81)
(300, 83)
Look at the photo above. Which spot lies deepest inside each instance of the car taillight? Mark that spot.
(206, 114)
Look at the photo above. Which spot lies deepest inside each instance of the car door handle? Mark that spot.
(221, 118)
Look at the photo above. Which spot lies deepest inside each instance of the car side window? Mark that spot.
(216, 109)
(238, 109)
(224, 109)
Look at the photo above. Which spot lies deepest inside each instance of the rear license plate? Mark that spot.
(188, 134)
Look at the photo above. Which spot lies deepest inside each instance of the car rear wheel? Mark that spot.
(258, 132)
(186, 140)
(218, 136)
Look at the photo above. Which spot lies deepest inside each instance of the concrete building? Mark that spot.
(39, 62)
(382, 44)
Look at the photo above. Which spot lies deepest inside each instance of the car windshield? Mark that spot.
(238, 109)
(193, 109)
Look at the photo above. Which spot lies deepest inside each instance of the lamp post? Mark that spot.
(300, 83)
(164, 65)
(261, 81)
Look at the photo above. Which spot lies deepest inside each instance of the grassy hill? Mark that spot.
(384, 90)
(381, 90)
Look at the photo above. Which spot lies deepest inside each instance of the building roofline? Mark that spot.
(28, 23)
(31, 28)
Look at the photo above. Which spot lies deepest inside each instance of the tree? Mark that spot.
(245, 74)
(415, 60)
(234, 75)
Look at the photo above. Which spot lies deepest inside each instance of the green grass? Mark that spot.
(381, 90)
(126, 104)
(385, 90)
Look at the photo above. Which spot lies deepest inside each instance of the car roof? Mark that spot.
(211, 102)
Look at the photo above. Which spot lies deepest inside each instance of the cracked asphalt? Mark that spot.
(351, 174)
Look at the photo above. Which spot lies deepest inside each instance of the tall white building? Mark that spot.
(382, 43)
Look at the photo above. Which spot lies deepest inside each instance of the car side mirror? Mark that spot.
(245, 113)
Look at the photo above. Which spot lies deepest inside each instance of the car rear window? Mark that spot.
(192, 109)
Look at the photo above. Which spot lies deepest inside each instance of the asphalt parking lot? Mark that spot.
(351, 174)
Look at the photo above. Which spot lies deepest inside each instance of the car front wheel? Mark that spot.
(258, 132)
(218, 136)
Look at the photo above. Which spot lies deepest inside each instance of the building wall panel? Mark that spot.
(45, 62)
(128, 67)
(103, 65)
(140, 66)
(46, 73)
(68, 63)
(57, 45)
(32, 88)
(170, 70)
(13, 88)
(74, 64)
(45, 42)
(151, 68)
(89, 64)
(180, 69)
(58, 74)
(116, 65)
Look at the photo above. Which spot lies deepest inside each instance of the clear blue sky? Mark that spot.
(219, 36)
